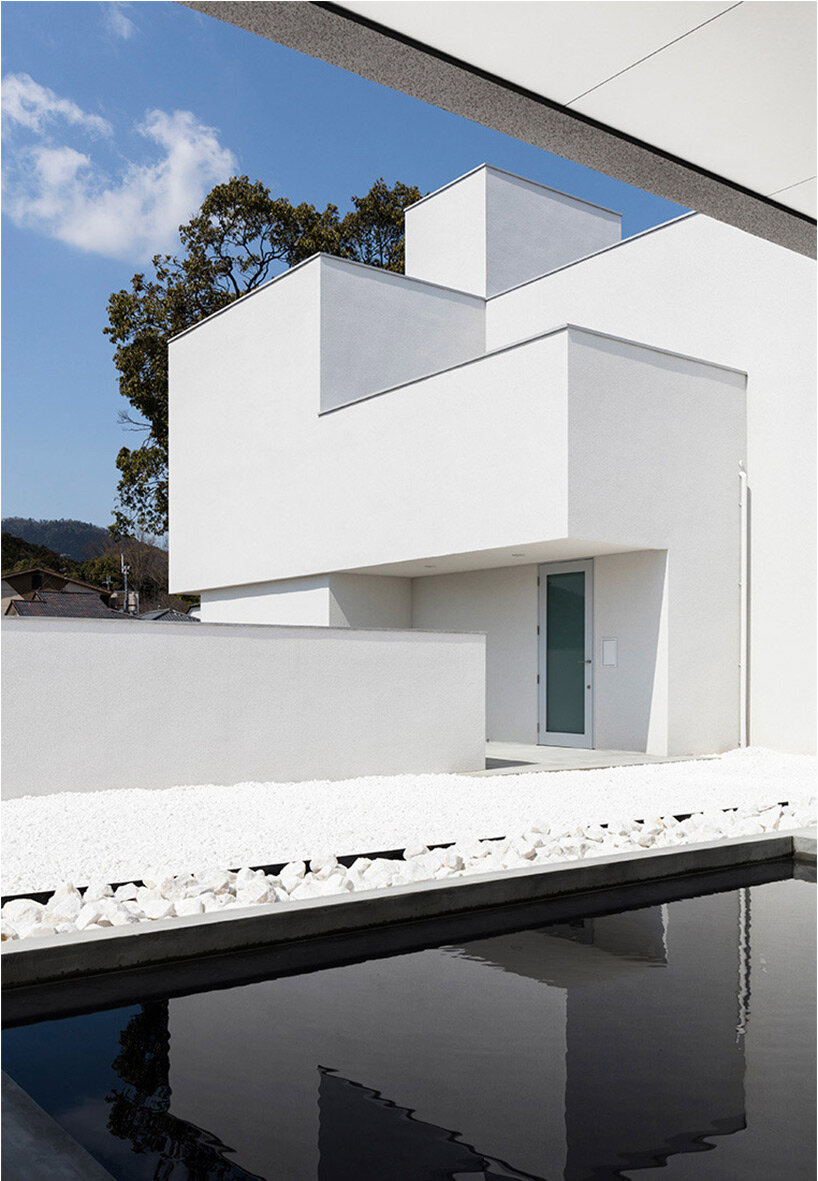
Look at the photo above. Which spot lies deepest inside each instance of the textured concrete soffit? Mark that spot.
(339, 37)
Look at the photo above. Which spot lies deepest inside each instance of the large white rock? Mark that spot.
(245, 875)
(96, 890)
(250, 893)
(322, 867)
(175, 887)
(307, 888)
(412, 871)
(412, 851)
(431, 861)
(64, 908)
(90, 914)
(770, 817)
(7, 931)
(523, 849)
(126, 892)
(157, 908)
(119, 916)
(213, 880)
(147, 894)
(472, 850)
(64, 889)
(184, 907)
(749, 826)
(23, 912)
(535, 837)
(292, 874)
(39, 930)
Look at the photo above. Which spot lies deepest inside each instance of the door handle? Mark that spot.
(584, 662)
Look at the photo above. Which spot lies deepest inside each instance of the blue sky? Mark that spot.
(118, 118)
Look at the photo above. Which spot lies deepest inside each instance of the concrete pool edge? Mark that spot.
(804, 845)
(36, 1147)
(63, 957)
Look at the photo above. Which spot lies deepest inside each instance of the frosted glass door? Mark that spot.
(565, 654)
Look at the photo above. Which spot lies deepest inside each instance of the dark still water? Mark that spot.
(673, 1041)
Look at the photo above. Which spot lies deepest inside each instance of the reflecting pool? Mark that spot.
(673, 1041)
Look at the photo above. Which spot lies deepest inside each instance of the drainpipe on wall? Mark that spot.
(743, 605)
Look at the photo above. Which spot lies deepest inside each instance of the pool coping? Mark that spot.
(91, 953)
(36, 1147)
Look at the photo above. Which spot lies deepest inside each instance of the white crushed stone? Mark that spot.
(166, 895)
(115, 836)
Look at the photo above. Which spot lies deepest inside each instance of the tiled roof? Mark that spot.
(65, 605)
(169, 615)
(10, 575)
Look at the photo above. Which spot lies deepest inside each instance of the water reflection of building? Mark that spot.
(584, 1050)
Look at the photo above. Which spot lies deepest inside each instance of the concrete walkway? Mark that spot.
(514, 758)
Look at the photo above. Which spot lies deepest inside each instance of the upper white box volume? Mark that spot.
(491, 230)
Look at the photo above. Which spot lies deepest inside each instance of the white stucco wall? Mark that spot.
(630, 697)
(468, 459)
(704, 288)
(240, 387)
(513, 451)
(379, 329)
(670, 485)
(531, 229)
(547, 456)
(503, 604)
(673, 484)
(292, 602)
(328, 600)
(491, 229)
(446, 235)
(130, 704)
(371, 600)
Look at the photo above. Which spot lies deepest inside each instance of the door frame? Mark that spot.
(552, 738)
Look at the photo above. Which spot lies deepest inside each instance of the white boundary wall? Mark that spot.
(96, 704)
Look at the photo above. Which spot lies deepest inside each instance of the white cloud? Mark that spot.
(116, 20)
(59, 191)
(30, 105)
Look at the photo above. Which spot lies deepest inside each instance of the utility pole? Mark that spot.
(125, 571)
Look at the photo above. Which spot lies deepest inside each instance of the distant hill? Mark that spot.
(77, 539)
(18, 554)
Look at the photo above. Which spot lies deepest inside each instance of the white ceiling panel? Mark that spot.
(557, 48)
(726, 87)
(802, 197)
(736, 97)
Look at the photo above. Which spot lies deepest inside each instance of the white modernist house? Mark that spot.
(598, 452)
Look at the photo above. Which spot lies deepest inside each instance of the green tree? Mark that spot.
(240, 237)
(373, 231)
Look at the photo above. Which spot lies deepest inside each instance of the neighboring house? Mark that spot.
(117, 600)
(63, 605)
(169, 615)
(24, 584)
(538, 432)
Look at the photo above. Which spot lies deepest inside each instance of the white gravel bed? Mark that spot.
(167, 895)
(115, 836)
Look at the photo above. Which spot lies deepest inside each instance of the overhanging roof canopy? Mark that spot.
(711, 105)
